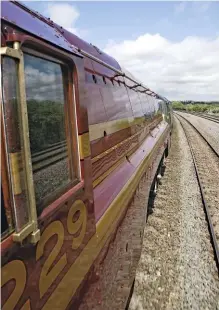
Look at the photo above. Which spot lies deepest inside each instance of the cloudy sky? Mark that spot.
(173, 47)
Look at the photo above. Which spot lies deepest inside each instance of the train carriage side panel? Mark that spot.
(111, 139)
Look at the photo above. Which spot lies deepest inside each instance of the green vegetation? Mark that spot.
(46, 123)
(196, 107)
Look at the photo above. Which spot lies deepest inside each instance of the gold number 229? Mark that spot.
(47, 277)
(78, 225)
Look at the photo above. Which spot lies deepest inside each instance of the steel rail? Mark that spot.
(209, 144)
(52, 147)
(212, 118)
(205, 205)
(49, 160)
(209, 117)
(206, 114)
(53, 154)
(119, 72)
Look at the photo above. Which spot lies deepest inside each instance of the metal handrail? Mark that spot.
(119, 73)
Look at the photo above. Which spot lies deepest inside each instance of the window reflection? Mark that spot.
(46, 114)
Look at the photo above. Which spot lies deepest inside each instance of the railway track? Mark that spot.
(203, 137)
(49, 156)
(209, 117)
(213, 118)
(206, 163)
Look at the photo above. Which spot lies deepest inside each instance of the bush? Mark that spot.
(195, 107)
(215, 110)
(177, 105)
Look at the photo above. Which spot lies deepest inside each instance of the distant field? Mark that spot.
(195, 107)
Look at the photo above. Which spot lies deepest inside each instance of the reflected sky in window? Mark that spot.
(43, 79)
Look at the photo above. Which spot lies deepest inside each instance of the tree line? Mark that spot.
(195, 106)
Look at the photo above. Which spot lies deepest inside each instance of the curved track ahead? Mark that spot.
(213, 118)
(209, 144)
(201, 186)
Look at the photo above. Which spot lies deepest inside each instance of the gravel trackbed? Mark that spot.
(177, 269)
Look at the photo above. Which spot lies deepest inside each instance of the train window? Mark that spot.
(88, 77)
(99, 80)
(47, 116)
(94, 78)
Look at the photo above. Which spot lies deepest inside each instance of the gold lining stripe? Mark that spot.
(105, 174)
(120, 202)
(119, 162)
(97, 130)
(15, 161)
(76, 273)
(96, 158)
(84, 145)
(121, 159)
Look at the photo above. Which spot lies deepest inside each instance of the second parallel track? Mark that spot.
(201, 187)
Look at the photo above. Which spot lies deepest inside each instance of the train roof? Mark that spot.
(33, 22)
(21, 16)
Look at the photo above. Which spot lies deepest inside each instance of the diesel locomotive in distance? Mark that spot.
(82, 143)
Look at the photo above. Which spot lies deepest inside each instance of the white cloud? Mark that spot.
(188, 69)
(63, 14)
(43, 84)
(66, 15)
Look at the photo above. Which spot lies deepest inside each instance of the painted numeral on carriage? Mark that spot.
(15, 270)
(78, 225)
(47, 276)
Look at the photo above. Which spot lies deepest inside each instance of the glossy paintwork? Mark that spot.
(99, 146)
(95, 108)
(46, 29)
(25, 20)
(110, 106)
(35, 263)
(107, 191)
(81, 44)
(59, 208)
(75, 271)
(114, 100)
(129, 128)
(104, 161)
